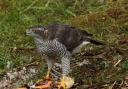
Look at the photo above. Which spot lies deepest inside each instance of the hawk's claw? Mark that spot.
(65, 82)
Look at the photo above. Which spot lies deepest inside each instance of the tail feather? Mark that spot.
(93, 41)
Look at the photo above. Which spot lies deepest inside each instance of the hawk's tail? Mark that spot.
(93, 41)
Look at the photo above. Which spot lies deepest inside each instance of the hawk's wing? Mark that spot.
(65, 34)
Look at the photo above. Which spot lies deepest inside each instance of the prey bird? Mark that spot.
(60, 41)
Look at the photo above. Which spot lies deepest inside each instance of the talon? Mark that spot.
(65, 82)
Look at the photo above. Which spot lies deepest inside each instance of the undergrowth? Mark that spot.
(107, 20)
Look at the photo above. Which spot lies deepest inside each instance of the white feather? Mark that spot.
(78, 48)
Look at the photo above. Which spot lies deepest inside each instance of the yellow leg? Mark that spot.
(62, 83)
(46, 77)
(48, 74)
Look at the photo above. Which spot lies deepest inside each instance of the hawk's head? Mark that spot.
(36, 31)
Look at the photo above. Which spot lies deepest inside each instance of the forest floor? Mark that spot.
(107, 20)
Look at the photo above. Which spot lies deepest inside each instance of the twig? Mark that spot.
(117, 63)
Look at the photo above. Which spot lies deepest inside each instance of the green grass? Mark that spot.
(95, 17)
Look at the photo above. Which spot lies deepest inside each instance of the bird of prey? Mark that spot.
(62, 41)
